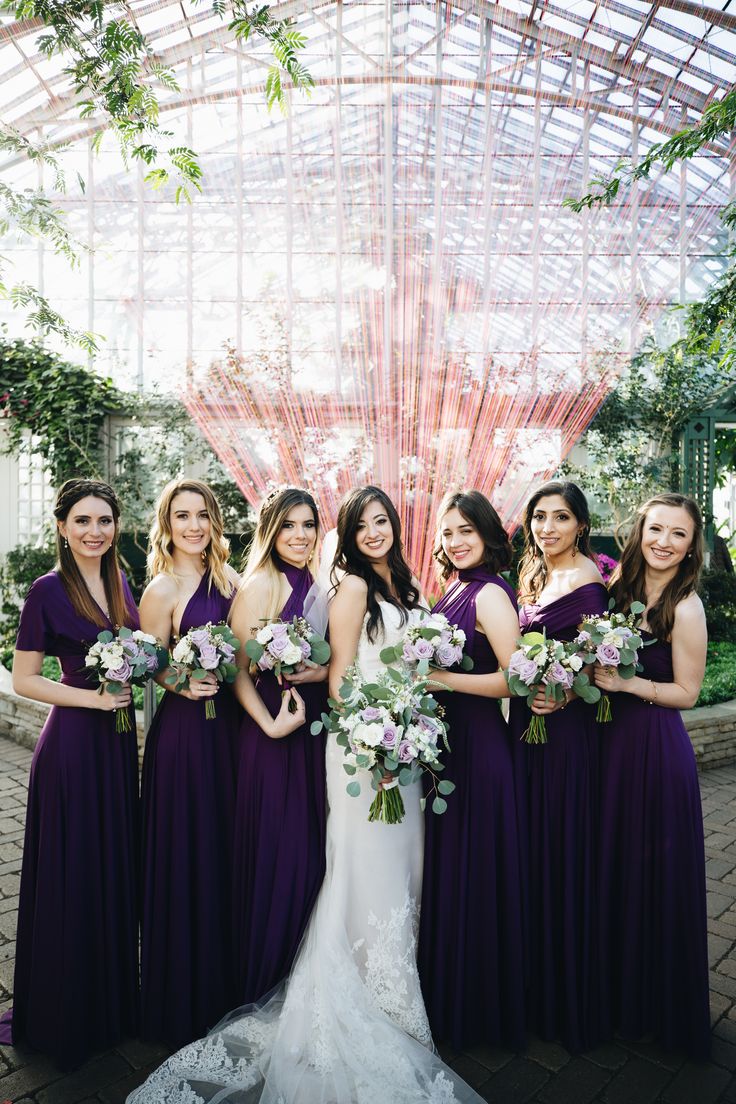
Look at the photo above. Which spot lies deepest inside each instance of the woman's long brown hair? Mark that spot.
(628, 581)
(81, 599)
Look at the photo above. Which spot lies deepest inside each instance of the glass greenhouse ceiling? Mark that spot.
(411, 204)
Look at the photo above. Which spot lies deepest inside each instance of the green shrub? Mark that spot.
(719, 683)
(718, 592)
(17, 571)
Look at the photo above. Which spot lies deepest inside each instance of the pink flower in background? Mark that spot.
(606, 565)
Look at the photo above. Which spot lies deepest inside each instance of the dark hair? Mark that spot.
(478, 511)
(350, 560)
(532, 566)
(627, 583)
(84, 604)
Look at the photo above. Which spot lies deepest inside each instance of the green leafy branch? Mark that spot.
(286, 42)
(717, 121)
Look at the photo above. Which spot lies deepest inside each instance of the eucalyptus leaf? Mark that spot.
(353, 788)
(439, 805)
(445, 786)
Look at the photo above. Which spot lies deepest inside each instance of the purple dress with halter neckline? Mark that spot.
(76, 960)
(471, 943)
(654, 940)
(560, 780)
(188, 797)
(279, 848)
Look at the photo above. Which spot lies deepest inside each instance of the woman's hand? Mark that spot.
(608, 679)
(201, 689)
(307, 672)
(542, 705)
(285, 722)
(108, 702)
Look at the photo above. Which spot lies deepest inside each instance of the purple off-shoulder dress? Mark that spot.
(654, 947)
(279, 829)
(471, 951)
(560, 779)
(76, 959)
(188, 795)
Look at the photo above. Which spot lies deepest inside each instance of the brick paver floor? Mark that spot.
(616, 1073)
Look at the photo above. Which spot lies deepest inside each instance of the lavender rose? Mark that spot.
(278, 629)
(370, 713)
(559, 676)
(199, 637)
(406, 752)
(278, 645)
(121, 673)
(418, 649)
(390, 736)
(526, 670)
(208, 657)
(446, 654)
(608, 655)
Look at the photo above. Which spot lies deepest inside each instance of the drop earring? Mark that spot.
(66, 543)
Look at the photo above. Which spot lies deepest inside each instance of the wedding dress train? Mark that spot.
(348, 1026)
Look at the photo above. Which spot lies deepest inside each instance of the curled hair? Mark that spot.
(349, 560)
(84, 604)
(216, 554)
(628, 582)
(532, 566)
(478, 511)
(262, 554)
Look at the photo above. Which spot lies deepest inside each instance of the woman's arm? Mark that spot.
(248, 609)
(347, 611)
(30, 683)
(156, 613)
(689, 649)
(500, 622)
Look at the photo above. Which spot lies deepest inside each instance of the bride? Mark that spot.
(348, 1026)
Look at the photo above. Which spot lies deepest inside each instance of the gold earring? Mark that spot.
(575, 549)
(66, 543)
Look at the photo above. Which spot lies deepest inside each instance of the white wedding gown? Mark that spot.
(348, 1026)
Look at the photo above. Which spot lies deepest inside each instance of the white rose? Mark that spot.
(264, 635)
(183, 653)
(146, 637)
(91, 661)
(292, 654)
(574, 662)
(368, 734)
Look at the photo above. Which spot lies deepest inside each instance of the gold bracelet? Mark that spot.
(654, 691)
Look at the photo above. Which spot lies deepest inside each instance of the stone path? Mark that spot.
(616, 1073)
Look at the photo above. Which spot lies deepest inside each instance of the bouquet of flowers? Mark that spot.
(118, 660)
(552, 665)
(613, 640)
(210, 648)
(430, 640)
(281, 646)
(391, 726)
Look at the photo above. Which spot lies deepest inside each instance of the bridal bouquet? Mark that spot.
(390, 726)
(552, 665)
(430, 640)
(127, 657)
(281, 646)
(210, 648)
(613, 640)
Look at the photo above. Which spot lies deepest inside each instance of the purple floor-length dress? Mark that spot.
(654, 947)
(561, 782)
(471, 952)
(279, 829)
(188, 796)
(76, 961)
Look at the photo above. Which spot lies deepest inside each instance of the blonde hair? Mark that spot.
(216, 554)
(271, 517)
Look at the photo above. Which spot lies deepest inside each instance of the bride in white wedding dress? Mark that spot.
(348, 1026)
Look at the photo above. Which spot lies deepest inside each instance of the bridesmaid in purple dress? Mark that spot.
(280, 797)
(76, 965)
(187, 788)
(652, 865)
(558, 585)
(471, 950)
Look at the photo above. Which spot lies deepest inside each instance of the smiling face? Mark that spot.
(374, 535)
(298, 535)
(461, 541)
(554, 526)
(89, 527)
(189, 520)
(666, 537)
